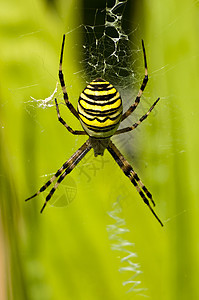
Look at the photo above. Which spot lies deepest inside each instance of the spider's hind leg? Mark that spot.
(142, 87)
(62, 82)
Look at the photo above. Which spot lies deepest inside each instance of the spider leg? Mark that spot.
(84, 150)
(61, 120)
(69, 162)
(135, 125)
(132, 175)
(144, 83)
(61, 79)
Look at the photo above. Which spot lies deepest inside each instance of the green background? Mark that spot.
(65, 253)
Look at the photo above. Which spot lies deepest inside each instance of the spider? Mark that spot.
(100, 112)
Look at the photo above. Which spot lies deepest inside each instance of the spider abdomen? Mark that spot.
(100, 109)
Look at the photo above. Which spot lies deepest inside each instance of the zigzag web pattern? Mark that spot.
(116, 232)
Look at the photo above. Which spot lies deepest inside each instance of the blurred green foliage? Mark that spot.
(65, 253)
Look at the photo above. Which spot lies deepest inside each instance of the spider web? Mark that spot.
(117, 235)
(107, 48)
(107, 53)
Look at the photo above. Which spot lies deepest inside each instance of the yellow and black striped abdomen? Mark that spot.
(100, 108)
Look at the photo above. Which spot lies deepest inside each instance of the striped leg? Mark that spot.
(135, 125)
(75, 132)
(68, 166)
(132, 175)
(67, 171)
(61, 78)
(144, 83)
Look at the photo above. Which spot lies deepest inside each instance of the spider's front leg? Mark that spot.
(132, 175)
(67, 167)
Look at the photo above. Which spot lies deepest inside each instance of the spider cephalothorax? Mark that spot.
(100, 113)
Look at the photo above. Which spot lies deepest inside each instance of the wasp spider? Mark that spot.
(100, 113)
